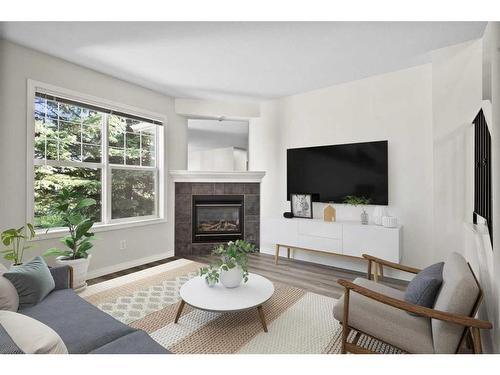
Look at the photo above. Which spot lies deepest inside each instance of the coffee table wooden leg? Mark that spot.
(179, 311)
(262, 317)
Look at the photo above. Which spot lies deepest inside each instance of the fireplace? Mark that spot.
(218, 218)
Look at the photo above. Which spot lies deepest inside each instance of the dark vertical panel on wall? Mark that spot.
(482, 172)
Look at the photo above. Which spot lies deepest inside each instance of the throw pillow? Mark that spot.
(9, 300)
(30, 335)
(424, 287)
(32, 281)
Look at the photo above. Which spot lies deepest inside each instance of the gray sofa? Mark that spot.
(83, 327)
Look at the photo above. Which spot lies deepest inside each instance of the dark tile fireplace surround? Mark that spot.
(209, 213)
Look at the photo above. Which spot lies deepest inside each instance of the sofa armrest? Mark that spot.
(63, 277)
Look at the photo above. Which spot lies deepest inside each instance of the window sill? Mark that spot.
(56, 233)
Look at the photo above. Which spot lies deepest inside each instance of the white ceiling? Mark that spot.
(218, 60)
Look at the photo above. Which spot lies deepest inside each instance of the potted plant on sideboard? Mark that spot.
(232, 267)
(16, 240)
(73, 210)
(359, 201)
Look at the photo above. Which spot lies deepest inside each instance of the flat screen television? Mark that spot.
(330, 173)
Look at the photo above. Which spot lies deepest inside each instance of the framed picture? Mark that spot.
(301, 205)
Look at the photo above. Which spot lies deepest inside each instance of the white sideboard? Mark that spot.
(341, 237)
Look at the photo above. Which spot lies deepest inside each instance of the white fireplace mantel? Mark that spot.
(209, 176)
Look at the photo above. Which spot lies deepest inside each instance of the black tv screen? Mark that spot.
(330, 173)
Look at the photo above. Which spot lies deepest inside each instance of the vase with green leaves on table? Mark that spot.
(232, 266)
(359, 201)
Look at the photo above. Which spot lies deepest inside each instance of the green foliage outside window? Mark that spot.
(70, 133)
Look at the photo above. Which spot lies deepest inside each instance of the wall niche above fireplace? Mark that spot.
(218, 218)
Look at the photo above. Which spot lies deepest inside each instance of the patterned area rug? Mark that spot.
(298, 321)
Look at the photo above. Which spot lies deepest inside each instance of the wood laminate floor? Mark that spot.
(312, 277)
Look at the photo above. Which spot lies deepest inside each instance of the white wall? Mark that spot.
(424, 112)
(456, 100)
(264, 145)
(17, 64)
(483, 258)
(395, 106)
(493, 29)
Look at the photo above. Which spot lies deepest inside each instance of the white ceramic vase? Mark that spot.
(231, 278)
(80, 268)
(379, 213)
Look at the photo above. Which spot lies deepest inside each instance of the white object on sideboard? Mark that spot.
(378, 213)
(389, 222)
(342, 237)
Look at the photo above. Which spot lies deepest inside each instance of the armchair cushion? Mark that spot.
(458, 295)
(424, 287)
(389, 324)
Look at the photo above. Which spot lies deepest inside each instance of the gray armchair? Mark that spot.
(380, 311)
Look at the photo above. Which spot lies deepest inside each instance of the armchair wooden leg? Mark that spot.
(345, 326)
(476, 340)
(369, 276)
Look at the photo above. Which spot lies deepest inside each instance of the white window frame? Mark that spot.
(107, 223)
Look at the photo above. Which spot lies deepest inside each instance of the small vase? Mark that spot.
(232, 277)
(364, 218)
(210, 282)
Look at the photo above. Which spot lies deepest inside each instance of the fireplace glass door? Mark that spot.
(217, 218)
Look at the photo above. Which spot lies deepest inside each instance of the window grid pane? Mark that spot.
(131, 142)
(60, 133)
(133, 193)
(70, 133)
(48, 180)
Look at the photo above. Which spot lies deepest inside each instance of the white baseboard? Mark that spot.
(129, 264)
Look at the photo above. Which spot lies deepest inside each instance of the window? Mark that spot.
(110, 155)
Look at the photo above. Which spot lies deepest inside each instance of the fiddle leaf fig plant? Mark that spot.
(73, 210)
(15, 240)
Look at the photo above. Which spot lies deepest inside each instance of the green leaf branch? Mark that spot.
(231, 255)
(15, 239)
(73, 210)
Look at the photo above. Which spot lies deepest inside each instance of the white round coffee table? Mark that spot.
(218, 298)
